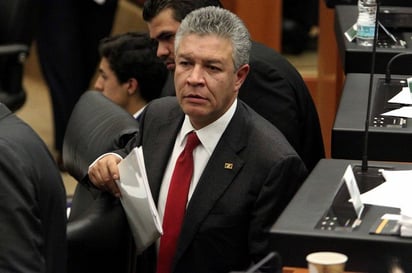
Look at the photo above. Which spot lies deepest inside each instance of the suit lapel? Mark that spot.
(4, 111)
(158, 146)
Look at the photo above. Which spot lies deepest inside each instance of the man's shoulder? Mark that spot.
(166, 101)
(257, 124)
(262, 52)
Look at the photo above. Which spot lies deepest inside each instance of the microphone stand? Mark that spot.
(366, 175)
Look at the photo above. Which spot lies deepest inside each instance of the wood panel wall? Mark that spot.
(263, 18)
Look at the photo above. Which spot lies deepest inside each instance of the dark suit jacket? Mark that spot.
(231, 209)
(276, 91)
(33, 201)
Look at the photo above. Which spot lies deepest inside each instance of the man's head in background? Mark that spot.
(130, 74)
(163, 18)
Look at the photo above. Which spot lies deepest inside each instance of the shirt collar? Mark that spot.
(138, 113)
(209, 136)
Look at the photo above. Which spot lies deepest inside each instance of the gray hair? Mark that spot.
(220, 22)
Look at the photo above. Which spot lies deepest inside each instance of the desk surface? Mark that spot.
(385, 143)
(294, 235)
(357, 59)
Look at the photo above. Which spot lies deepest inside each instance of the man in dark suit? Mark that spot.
(273, 87)
(33, 201)
(245, 171)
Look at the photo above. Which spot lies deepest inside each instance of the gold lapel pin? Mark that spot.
(228, 165)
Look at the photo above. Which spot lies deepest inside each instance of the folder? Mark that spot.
(137, 200)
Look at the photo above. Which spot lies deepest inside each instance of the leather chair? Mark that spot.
(17, 26)
(99, 239)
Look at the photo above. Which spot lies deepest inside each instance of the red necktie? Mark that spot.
(176, 204)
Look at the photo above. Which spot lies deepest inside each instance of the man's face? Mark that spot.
(108, 83)
(205, 78)
(163, 28)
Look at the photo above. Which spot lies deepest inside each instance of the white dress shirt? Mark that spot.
(209, 136)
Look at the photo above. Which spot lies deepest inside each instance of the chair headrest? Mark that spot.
(96, 126)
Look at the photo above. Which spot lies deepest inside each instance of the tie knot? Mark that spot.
(192, 141)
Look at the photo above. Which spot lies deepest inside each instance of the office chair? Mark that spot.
(17, 19)
(99, 239)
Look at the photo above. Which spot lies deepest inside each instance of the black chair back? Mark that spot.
(99, 239)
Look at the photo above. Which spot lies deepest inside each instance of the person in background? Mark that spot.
(68, 35)
(130, 74)
(300, 26)
(273, 87)
(33, 201)
(245, 171)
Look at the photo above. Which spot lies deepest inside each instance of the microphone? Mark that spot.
(256, 267)
(388, 65)
(366, 175)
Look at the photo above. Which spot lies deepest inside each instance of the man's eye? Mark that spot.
(184, 63)
(170, 37)
(214, 68)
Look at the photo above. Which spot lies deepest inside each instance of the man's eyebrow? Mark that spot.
(205, 61)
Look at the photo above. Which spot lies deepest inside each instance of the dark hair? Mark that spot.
(181, 8)
(133, 55)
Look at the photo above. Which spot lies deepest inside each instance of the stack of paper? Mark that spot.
(406, 222)
(403, 97)
(395, 192)
(137, 200)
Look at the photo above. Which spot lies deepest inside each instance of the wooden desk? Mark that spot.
(300, 270)
(294, 270)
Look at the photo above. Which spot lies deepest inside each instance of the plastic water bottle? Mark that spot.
(366, 22)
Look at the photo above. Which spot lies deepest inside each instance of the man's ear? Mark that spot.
(241, 75)
(132, 86)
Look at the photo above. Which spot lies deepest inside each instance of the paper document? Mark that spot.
(403, 112)
(353, 189)
(395, 192)
(403, 97)
(137, 200)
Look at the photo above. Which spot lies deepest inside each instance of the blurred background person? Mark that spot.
(69, 32)
(300, 26)
(33, 201)
(130, 74)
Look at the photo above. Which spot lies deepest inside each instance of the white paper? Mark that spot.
(395, 192)
(353, 189)
(403, 112)
(137, 200)
(403, 97)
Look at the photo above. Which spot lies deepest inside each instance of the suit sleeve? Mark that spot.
(281, 184)
(21, 234)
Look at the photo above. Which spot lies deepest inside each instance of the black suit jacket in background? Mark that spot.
(33, 201)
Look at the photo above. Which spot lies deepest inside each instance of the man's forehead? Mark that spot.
(163, 24)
